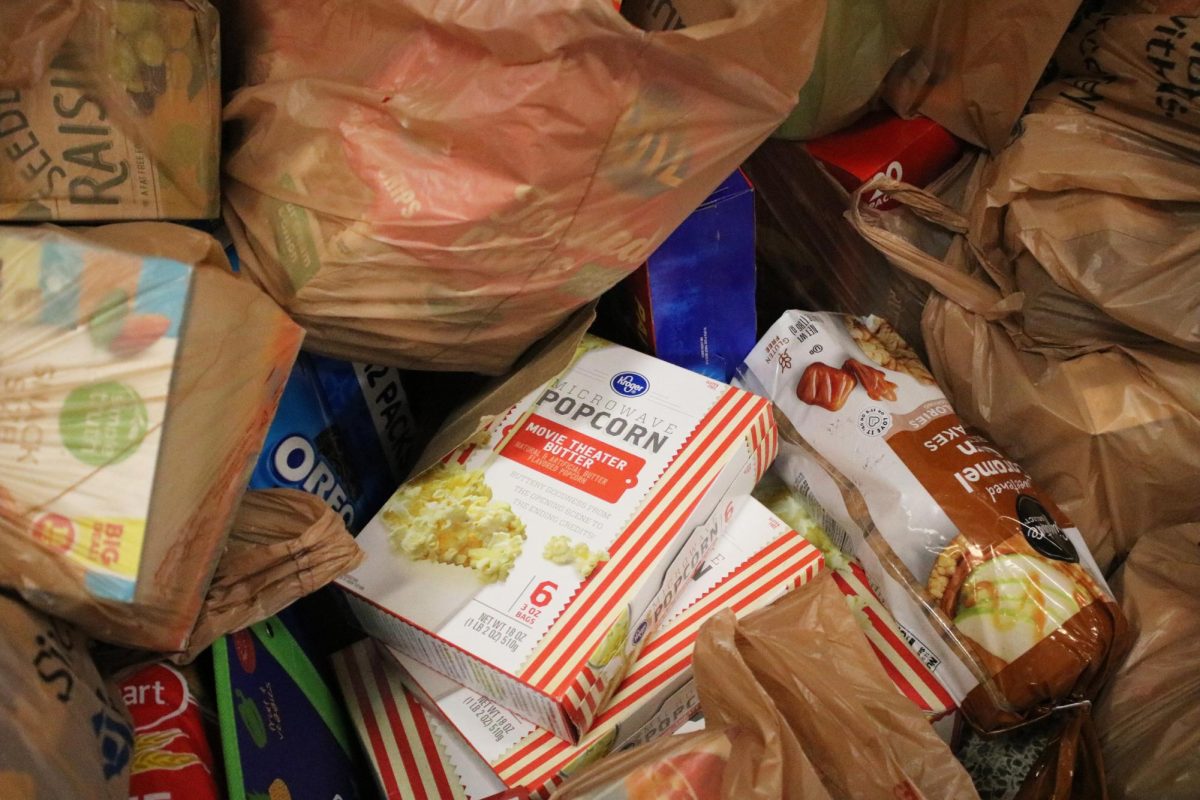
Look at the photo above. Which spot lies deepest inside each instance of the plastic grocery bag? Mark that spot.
(1076, 395)
(1093, 211)
(976, 65)
(860, 41)
(436, 185)
(285, 544)
(62, 734)
(109, 109)
(1081, 424)
(796, 705)
(137, 380)
(1149, 716)
(970, 68)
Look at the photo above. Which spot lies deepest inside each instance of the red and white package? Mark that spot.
(172, 759)
(915, 151)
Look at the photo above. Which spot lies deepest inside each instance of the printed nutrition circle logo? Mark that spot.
(874, 421)
(629, 384)
(103, 423)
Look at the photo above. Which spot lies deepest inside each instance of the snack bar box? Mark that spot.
(622, 460)
(756, 560)
(915, 151)
(692, 302)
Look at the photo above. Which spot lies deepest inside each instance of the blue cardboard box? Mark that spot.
(344, 432)
(692, 302)
(284, 731)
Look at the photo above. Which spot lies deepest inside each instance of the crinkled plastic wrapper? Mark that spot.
(979, 567)
(1149, 716)
(109, 109)
(796, 705)
(436, 185)
(62, 733)
(137, 380)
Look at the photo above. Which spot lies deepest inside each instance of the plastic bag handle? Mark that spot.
(968, 291)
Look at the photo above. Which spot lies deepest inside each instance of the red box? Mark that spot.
(915, 151)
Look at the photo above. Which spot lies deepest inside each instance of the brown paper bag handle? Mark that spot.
(971, 292)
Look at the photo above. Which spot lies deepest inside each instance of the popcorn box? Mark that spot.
(692, 302)
(621, 460)
(125, 122)
(134, 394)
(915, 151)
(904, 657)
(344, 432)
(491, 750)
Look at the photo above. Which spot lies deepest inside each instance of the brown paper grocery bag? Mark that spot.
(436, 185)
(63, 734)
(797, 706)
(1149, 717)
(285, 544)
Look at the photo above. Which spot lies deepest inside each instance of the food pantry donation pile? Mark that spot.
(586, 399)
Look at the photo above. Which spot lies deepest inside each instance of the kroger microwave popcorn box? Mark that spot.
(344, 432)
(981, 569)
(124, 121)
(411, 751)
(533, 561)
(754, 561)
(692, 302)
(134, 392)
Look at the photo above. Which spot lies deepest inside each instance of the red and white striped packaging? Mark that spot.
(623, 452)
(400, 739)
(755, 561)
(907, 662)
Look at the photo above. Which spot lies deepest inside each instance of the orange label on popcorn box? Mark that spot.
(575, 458)
(534, 561)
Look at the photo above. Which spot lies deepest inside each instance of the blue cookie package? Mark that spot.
(344, 432)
